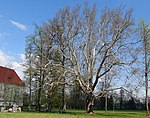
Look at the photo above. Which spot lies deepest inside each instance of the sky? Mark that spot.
(18, 16)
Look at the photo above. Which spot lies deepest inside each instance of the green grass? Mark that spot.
(76, 114)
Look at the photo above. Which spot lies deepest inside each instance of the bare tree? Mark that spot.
(89, 43)
(144, 31)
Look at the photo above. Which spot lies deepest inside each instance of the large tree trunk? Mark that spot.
(39, 95)
(106, 101)
(89, 104)
(39, 100)
(49, 102)
(146, 76)
(63, 100)
(64, 106)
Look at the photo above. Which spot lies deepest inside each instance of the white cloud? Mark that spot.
(18, 25)
(10, 62)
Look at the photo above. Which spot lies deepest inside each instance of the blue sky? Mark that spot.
(17, 18)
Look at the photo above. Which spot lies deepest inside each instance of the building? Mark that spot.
(11, 87)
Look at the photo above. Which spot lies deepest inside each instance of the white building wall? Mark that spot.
(11, 94)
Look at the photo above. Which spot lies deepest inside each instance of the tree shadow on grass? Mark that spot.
(101, 114)
(121, 115)
(108, 114)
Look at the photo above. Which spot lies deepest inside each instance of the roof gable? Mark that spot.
(9, 76)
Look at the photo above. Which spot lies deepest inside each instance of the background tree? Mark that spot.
(37, 54)
(144, 33)
(29, 72)
(76, 98)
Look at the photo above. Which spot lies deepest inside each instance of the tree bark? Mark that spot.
(146, 75)
(106, 102)
(63, 100)
(39, 100)
(63, 87)
(89, 104)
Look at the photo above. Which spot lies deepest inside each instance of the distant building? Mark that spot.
(11, 87)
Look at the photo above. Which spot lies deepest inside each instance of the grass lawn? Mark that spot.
(76, 114)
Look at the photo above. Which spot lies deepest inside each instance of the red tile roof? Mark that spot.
(9, 76)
